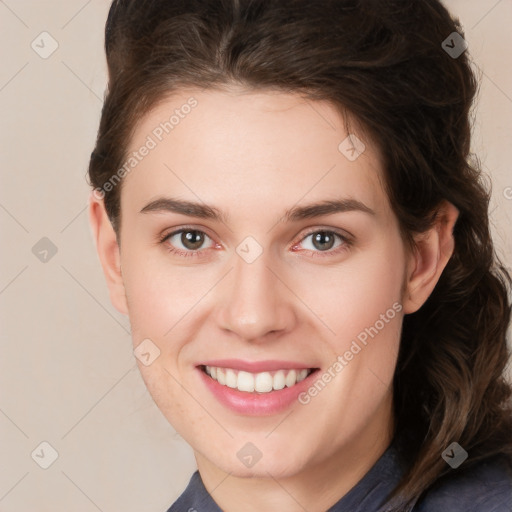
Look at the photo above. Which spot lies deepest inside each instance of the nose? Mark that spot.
(254, 303)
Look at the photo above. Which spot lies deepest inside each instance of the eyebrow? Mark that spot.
(294, 214)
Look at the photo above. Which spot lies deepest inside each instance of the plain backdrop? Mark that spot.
(68, 376)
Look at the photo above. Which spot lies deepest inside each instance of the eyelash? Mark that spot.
(346, 243)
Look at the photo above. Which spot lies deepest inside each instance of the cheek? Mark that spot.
(160, 294)
(361, 303)
(353, 295)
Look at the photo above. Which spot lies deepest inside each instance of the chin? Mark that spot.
(270, 463)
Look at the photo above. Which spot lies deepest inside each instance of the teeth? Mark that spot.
(221, 376)
(263, 382)
(231, 379)
(302, 375)
(291, 378)
(279, 380)
(245, 382)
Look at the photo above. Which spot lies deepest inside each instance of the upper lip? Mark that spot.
(256, 366)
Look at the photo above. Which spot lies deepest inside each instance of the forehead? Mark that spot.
(240, 149)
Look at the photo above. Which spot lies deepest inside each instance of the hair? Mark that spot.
(382, 64)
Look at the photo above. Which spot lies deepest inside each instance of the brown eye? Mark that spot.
(186, 240)
(192, 239)
(323, 240)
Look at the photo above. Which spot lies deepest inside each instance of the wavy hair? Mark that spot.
(382, 64)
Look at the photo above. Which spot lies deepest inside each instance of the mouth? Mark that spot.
(261, 382)
(260, 388)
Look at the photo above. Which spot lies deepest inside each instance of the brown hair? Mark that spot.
(383, 63)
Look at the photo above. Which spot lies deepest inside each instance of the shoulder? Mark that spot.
(485, 486)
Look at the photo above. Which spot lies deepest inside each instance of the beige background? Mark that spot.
(67, 371)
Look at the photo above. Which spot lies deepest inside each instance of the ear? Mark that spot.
(108, 251)
(433, 249)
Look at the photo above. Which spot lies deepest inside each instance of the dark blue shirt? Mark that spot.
(485, 487)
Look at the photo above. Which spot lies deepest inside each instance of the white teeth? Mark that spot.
(279, 380)
(302, 375)
(245, 382)
(231, 380)
(262, 382)
(221, 376)
(291, 378)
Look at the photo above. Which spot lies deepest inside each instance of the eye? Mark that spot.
(189, 242)
(186, 241)
(324, 241)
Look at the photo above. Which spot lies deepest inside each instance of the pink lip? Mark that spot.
(256, 366)
(255, 404)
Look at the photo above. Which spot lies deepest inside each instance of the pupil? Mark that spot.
(192, 239)
(322, 237)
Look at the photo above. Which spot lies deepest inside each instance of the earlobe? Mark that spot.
(432, 251)
(108, 251)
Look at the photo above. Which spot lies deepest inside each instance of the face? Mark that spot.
(294, 310)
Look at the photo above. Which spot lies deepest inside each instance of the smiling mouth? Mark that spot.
(262, 382)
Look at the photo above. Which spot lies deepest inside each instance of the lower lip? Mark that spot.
(256, 404)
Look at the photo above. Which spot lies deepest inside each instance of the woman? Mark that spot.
(239, 137)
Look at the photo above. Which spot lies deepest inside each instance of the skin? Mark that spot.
(254, 155)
